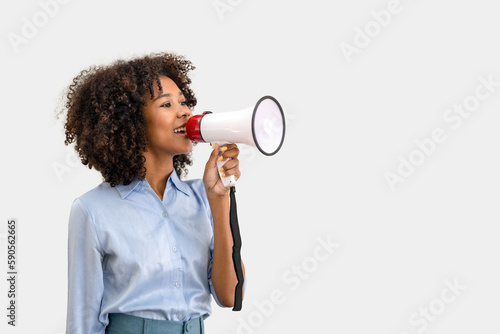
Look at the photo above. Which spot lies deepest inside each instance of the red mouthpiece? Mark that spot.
(193, 128)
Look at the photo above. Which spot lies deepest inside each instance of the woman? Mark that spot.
(146, 249)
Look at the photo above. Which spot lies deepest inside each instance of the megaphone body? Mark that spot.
(261, 126)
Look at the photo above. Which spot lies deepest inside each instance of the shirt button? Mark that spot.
(176, 284)
(165, 214)
(174, 249)
(180, 317)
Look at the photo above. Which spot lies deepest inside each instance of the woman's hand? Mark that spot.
(211, 178)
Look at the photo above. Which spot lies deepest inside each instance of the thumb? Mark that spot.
(212, 160)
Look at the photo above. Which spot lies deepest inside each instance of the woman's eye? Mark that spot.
(183, 103)
(167, 105)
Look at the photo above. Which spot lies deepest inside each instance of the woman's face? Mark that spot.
(166, 117)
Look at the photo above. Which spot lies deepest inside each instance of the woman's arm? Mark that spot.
(224, 277)
(85, 277)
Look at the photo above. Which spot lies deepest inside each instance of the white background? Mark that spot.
(348, 124)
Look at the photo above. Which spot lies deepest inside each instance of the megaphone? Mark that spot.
(261, 126)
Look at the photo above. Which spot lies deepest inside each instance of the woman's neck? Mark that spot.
(158, 170)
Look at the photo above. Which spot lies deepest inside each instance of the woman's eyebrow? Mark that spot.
(166, 95)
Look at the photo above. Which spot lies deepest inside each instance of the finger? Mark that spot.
(231, 168)
(234, 171)
(232, 153)
(229, 146)
(212, 160)
(230, 164)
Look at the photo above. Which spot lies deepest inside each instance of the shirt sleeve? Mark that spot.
(85, 276)
(212, 290)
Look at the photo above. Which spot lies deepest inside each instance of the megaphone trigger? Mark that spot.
(227, 181)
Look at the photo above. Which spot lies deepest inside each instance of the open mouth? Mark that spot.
(181, 129)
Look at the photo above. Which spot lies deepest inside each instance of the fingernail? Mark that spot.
(223, 149)
(221, 170)
(220, 158)
(223, 175)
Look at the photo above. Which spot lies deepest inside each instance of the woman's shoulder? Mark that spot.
(102, 203)
(102, 194)
(195, 184)
(102, 190)
(197, 189)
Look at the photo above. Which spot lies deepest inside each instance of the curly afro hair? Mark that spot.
(105, 113)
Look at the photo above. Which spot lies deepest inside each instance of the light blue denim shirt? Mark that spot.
(130, 252)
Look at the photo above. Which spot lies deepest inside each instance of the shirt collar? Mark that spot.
(180, 185)
(125, 190)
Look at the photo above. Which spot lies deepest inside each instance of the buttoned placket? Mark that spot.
(175, 279)
(176, 255)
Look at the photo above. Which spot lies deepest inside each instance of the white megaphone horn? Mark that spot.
(261, 126)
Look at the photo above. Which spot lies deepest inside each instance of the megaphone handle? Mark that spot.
(227, 181)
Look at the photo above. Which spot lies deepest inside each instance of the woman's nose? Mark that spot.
(184, 112)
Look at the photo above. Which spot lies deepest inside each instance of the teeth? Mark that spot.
(181, 129)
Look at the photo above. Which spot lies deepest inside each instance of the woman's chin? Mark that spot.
(187, 149)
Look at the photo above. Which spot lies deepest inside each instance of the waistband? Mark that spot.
(120, 323)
